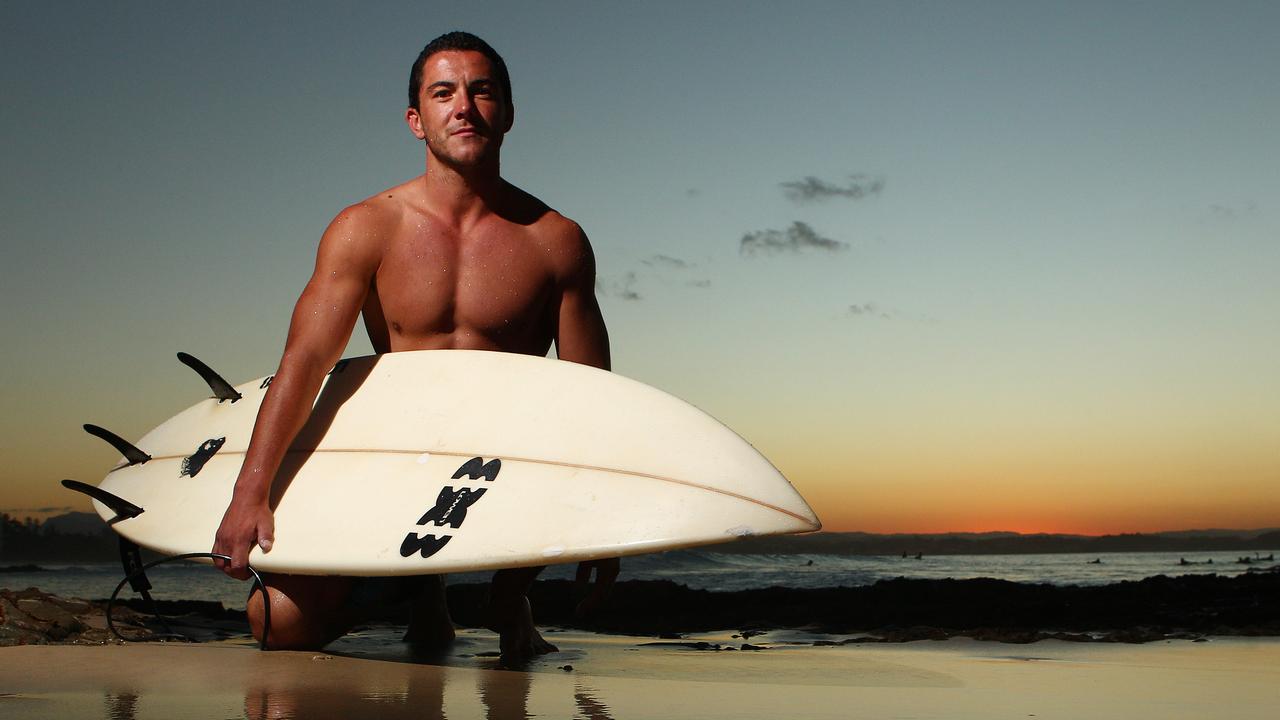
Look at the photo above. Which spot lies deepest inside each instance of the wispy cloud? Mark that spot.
(665, 261)
(872, 310)
(1231, 212)
(795, 239)
(812, 189)
(623, 288)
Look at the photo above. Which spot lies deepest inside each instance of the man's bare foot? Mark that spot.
(430, 627)
(518, 639)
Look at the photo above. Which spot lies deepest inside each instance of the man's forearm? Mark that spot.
(284, 411)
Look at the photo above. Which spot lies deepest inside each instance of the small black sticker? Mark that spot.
(477, 468)
(194, 463)
(451, 507)
(426, 545)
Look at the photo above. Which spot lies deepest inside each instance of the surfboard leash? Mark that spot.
(136, 577)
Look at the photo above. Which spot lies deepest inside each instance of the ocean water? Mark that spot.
(701, 569)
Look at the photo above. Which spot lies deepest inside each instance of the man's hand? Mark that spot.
(606, 573)
(243, 526)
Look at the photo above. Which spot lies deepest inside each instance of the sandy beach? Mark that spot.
(663, 666)
(603, 676)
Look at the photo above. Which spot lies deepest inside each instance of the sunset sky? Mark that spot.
(950, 266)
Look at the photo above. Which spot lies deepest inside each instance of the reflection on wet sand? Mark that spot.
(590, 707)
(417, 692)
(417, 695)
(505, 695)
(617, 677)
(120, 705)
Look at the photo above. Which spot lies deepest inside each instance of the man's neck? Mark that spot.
(461, 194)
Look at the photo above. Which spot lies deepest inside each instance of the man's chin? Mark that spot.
(477, 157)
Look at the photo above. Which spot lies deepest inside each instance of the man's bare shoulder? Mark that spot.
(378, 212)
(563, 239)
(365, 226)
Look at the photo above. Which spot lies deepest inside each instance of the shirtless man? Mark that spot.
(455, 258)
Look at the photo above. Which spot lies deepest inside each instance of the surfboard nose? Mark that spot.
(806, 519)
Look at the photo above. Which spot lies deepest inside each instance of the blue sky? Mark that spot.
(1058, 288)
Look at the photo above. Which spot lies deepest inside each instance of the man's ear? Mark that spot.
(511, 119)
(414, 120)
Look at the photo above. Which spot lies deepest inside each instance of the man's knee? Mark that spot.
(306, 613)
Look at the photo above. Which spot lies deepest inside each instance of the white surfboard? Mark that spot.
(449, 460)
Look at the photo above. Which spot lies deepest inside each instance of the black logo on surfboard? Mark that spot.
(477, 468)
(450, 508)
(194, 463)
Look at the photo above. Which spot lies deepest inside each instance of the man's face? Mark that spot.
(461, 112)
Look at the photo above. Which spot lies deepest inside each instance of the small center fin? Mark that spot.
(123, 508)
(221, 388)
(126, 448)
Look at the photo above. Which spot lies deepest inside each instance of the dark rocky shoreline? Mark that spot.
(912, 609)
(901, 610)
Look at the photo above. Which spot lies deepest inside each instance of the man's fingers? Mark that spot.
(239, 561)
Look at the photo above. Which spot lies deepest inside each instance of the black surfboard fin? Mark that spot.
(221, 388)
(123, 508)
(127, 449)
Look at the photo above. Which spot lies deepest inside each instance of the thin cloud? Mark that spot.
(665, 261)
(623, 289)
(872, 310)
(1232, 212)
(700, 283)
(812, 189)
(795, 239)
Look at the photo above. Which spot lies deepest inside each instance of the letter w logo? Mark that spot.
(477, 468)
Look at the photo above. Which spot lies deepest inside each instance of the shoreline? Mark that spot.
(1189, 607)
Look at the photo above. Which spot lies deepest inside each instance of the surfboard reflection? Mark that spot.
(393, 690)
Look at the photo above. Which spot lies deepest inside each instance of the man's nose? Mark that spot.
(463, 108)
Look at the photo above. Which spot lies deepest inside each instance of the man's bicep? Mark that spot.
(324, 316)
(326, 311)
(581, 335)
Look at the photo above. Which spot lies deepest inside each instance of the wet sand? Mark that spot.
(372, 675)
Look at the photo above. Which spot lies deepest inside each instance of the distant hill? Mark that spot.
(1002, 543)
(74, 523)
(74, 537)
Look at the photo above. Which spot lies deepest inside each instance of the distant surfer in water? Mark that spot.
(454, 258)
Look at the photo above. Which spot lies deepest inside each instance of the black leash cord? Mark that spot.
(257, 585)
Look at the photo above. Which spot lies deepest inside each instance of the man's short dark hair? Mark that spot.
(458, 40)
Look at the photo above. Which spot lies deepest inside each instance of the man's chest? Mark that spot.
(493, 282)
